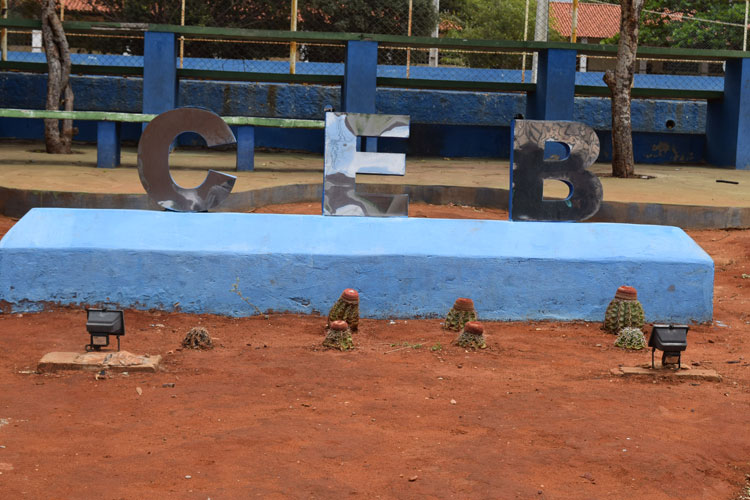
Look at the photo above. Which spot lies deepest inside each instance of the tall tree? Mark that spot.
(620, 83)
(487, 20)
(358, 16)
(673, 23)
(57, 139)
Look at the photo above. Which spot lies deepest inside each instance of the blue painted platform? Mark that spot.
(403, 267)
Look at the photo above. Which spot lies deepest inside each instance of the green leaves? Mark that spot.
(685, 23)
(490, 19)
(384, 16)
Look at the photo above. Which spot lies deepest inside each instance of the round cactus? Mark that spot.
(338, 336)
(631, 338)
(624, 311)
(461, 313)
(472, 336)
(346, 309)
(197, 338)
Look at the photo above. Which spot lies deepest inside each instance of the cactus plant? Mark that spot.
(346, 309)
(461, 313)
(338, 336)
(631, 338)
(472, 336)
(197, 338)
(624, 311)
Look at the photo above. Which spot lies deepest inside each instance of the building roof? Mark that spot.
(78, 5)
(595, 20)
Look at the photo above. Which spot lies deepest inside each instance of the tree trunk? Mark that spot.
(620, 81)
(57, 139)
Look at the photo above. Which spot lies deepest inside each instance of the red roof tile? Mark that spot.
(595, 20)
(77, 5)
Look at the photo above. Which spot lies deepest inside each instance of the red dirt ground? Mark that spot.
(268, 413)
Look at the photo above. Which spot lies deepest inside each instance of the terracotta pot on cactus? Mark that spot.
(472, 336)
(338, 336)
(624, 311)
(346, 309)
(461, 313)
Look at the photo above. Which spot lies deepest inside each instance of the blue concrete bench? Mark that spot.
(108, 130)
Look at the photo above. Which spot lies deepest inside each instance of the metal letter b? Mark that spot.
(529, 169)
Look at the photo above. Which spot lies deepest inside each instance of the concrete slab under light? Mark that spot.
(684, 373)
(402, 267)
(120, 361)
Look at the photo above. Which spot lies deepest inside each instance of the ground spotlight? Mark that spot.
(672, 340)
(101, 323)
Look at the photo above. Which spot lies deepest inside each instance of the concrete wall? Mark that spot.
(402, 266)
(444, 123)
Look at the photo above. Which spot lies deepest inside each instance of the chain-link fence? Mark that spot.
(101, 49)
(705, 24)
(700, 24)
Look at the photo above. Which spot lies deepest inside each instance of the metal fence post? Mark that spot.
(525, 38)
(574, 23)
(293, 45)
(408, 33)
(744, 37)
(540, 32)
(4, 32)
(434, 56)
(182, 37)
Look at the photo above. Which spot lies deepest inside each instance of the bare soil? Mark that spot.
(269, 413)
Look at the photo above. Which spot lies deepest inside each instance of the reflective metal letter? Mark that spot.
(529, 169)
(343, 162)
(153, 160)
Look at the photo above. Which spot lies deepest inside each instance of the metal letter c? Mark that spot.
(153, 160)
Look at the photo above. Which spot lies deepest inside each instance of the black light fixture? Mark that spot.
(101, 323)
(671, 339)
